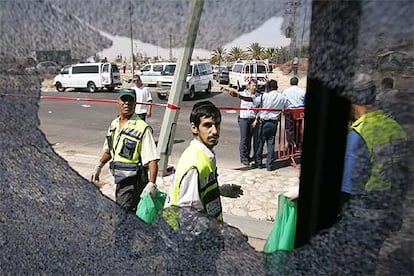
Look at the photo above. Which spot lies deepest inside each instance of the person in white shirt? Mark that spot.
(271, 99)
(296, 98)
(295, 65)
(143, 95)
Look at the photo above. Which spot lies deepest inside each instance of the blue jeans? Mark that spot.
(246, 134)
(267, 133)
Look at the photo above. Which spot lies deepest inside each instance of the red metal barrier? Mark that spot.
(290, 134)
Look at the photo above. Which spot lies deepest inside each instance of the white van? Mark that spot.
(245, 70)
(151, 72)
(92, 76)
(199, 80)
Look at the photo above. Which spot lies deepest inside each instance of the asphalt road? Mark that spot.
(81, 126)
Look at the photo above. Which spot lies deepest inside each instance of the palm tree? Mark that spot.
(235, 53)
(218, 55)
(271, 54)
(255, 51)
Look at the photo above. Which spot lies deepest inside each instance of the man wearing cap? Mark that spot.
(130, 147)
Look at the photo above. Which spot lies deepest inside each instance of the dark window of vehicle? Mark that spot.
(157, 68)
(146, 68)
(196, 71)
(88, 69)
(261, 69)
(169, 69)
(248, 69)
(114, 68)
(105, 68)
(237, 68)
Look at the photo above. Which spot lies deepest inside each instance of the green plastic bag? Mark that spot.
(148, 207)
(282, 236)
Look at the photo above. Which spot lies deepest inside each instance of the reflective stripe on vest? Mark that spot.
(207, 180)
(384, 138)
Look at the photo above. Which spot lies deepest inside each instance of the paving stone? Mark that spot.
(259, 214)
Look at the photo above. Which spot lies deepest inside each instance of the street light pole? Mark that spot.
(132, 41)
(169, 122)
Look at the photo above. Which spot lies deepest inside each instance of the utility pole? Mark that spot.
(170, 46)
(291, 7)
(169, 122)
(130, 32)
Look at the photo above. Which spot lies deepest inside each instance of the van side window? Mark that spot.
(248, 69)
(105, 68)
(196, 71)
(170, 69)
(91, 69)
(114, 68)
(157, 68)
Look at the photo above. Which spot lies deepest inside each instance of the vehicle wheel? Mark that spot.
(238, 86)
(59, 87)
(191, 96)
(208, 90)
(91, 87)
(230, 85)
(110, 88)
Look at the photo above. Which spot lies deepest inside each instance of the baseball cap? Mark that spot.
(127, 92)
(364, 89)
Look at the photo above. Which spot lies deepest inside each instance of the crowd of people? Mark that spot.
(130, 148)
(259, 117)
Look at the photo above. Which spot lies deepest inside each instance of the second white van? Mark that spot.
(199, 80)
(90, 76)
(245, 70)
(151, 73)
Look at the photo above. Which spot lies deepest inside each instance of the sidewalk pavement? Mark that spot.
(253, 212)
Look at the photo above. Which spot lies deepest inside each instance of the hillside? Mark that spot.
(154, 20)
(29, 25)
(26, 26)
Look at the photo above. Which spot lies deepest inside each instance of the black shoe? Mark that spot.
(259, 166)
(245, 162)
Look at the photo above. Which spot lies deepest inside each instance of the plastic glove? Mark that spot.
(97, 173)
(292, 192)
(230, 190)
(151, 188)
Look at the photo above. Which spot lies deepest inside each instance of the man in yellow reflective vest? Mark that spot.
(130, 147)
(373, 181)
(195, 182)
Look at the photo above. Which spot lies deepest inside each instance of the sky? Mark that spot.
(267, 35)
